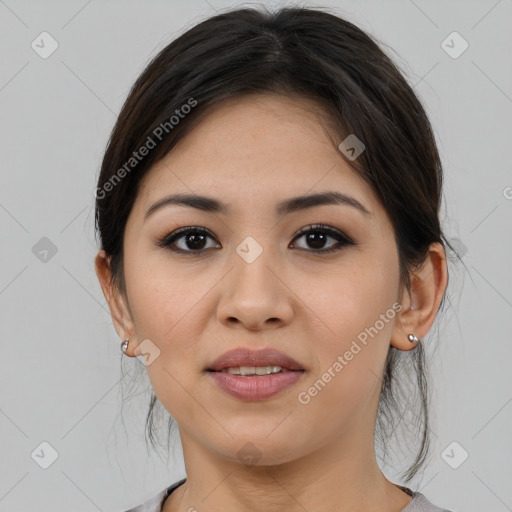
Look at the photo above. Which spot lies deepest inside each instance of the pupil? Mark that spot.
(190, 241)
(314, 238)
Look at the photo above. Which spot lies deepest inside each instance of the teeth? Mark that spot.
(254, 370)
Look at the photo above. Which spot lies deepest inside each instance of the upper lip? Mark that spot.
(247, 357)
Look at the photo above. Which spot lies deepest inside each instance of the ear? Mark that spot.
(421, 303)
(121, 316)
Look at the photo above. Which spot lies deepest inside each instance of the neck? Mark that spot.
(322, 481)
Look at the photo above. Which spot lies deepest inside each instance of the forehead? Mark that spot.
(253, 149)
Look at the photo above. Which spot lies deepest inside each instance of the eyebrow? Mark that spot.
(294, 204)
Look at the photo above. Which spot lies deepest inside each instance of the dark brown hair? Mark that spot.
(305, 52)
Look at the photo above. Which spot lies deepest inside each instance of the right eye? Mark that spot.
(193, 240)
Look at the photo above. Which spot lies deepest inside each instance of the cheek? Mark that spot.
(351, 298)
(357, 319)
(161, 296)
(168, 310)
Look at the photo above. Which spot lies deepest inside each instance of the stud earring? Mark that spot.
(412, 338)
(124, 346)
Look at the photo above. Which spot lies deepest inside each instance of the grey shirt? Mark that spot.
(418, 504)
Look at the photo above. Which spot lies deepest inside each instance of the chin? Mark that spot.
(258, 450)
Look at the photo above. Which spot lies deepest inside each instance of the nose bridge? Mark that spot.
(253, 261)
(254, 294)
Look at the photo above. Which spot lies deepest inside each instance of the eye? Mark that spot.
(317, 235)
(193, 240)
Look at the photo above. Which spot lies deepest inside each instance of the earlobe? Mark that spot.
(404, 335)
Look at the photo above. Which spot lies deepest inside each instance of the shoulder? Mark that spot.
(420, 503)
(154, 504)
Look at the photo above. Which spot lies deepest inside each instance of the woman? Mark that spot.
(271, 250)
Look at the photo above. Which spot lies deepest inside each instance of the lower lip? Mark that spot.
(255, 387)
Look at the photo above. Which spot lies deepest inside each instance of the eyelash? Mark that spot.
(169, 239)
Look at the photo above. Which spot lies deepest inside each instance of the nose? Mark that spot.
(255, 295)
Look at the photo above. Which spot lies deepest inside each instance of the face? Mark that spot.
(246, 276)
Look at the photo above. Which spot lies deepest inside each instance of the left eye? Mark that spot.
(317, 236)
(194, 239)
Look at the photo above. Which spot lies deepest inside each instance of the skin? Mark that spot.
(252, 153)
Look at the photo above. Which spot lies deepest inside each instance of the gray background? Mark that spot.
(60, 375)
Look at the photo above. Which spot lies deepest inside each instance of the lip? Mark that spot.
(247, 357)
(255, 388)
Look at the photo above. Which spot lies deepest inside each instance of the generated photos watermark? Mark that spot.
(151, 142)
(304, 397)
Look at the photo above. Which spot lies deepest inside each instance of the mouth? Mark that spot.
(254, 371)
(254, 375)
